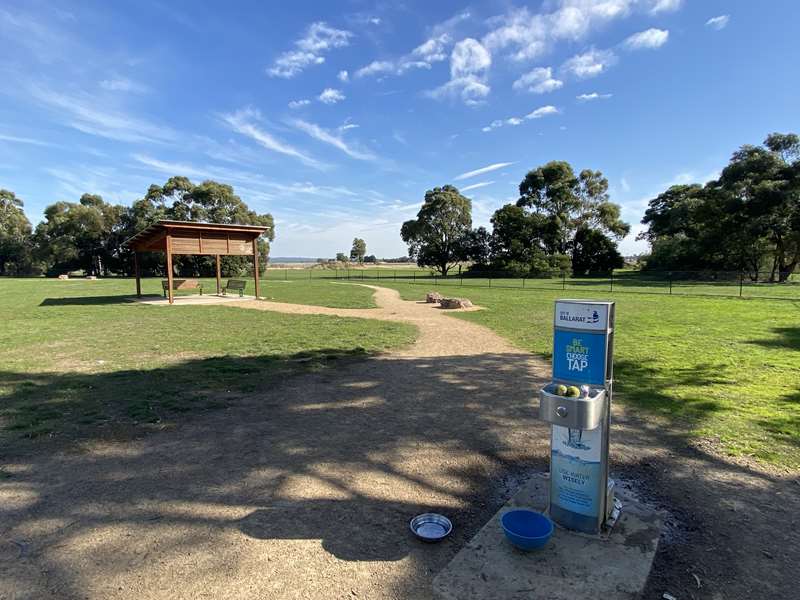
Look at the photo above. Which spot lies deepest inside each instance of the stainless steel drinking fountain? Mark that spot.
(577, 404)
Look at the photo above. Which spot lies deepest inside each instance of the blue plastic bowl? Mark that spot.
(526, 529)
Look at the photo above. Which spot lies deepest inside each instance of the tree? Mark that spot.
(436, 237)
(210, 201)
(15, 235)
(747, 220)
(517, 243)
(79, 236)
(594, 253)
(341, 257)
(567, 203)
(359, 250)
(477, 247)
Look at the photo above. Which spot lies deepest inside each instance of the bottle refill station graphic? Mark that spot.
(577, 405)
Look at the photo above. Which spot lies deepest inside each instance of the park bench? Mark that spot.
(234, 285)
(181, 284)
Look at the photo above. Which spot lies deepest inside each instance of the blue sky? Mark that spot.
(336, 117)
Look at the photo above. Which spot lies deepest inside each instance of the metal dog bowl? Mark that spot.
(431, 527)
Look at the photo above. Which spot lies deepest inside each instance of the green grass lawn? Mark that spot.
(724, 368)
(79, 355)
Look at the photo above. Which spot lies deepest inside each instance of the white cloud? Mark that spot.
(542, 111)
(123, 84)
(319, 39)
(659, 6)
(476, 186)
(343, 76)
(322, 135)
(592, 96)
(299, 103)
(538, 81)
(623, 183)
(482, 170)
(590, 63)
(245, 122)
(81, 112)
(469, 62)
(347, 125)
(529, 35)
(433, 50)
(23, 140)
(469, 58)
(331, 96)
(649, 38)
(719, 22)
(374, 68)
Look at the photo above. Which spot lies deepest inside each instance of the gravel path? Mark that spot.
(438, 334)
(305, 489)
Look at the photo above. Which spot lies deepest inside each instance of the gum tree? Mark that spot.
(436, 238)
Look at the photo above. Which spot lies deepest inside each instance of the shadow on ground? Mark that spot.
(93, 300)
(305, 488)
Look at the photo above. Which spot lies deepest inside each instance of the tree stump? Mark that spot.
(455, 303)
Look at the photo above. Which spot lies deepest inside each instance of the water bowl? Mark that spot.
(431, 527)
(526, 529)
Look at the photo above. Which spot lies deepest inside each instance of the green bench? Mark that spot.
(234, 285)
(181, 284)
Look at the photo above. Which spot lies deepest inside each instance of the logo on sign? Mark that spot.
(567, 317)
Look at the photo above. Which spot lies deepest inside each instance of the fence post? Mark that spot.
(285, 274)
(523, 282)
(414, 276)
(670, 283)
(612, 280)
(460, 279)
(490, 281)
(394, 274)
(741, 282)
(563, 280)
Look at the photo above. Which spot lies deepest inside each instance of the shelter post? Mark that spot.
(169, 267)
(255, 266)
(219, 285)
(137, 271)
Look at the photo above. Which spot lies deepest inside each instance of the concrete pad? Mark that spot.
(572, 566)
(205, 299)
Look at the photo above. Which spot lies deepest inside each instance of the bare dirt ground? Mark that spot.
(304, 490)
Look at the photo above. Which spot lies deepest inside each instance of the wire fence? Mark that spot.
(688, 283)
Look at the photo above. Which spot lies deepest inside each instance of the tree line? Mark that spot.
(88, 235)
(747, 220)
(561, 222)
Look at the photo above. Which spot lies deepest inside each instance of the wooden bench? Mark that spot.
(181, 284)
(234, 285)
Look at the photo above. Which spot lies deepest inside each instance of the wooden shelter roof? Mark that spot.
(189, 237)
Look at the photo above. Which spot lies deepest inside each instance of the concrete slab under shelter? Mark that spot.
(205, 299)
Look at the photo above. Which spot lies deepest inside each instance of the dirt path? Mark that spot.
(305, 489)
(439, 335)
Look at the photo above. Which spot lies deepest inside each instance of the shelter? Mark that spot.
(186, 237)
